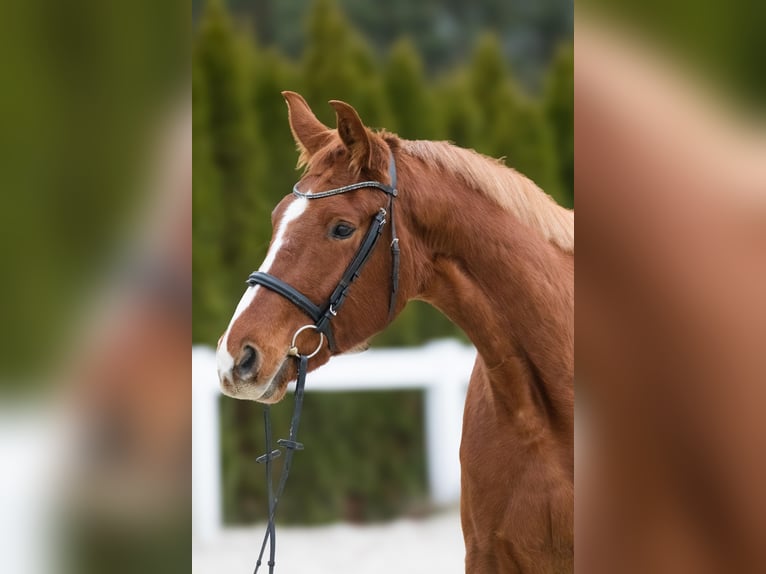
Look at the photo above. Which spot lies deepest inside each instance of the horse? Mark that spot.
(480, 242)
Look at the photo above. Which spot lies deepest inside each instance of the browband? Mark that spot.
(389, 189)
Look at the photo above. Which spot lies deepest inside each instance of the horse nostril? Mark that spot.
(247, 361)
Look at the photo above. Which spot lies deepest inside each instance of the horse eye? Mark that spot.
(343, 231)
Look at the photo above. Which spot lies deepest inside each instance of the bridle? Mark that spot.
(321, 315)
(324, 314)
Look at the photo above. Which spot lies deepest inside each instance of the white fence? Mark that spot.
(441, 369)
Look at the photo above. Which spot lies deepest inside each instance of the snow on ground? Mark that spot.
(423, 546)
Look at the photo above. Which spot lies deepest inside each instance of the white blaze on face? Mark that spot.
(293, 212)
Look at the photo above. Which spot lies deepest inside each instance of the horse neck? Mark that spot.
(504, 284)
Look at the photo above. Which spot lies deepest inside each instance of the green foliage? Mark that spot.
(442, 32)
(85, 86)
(207, 298)
(488, 75)
(408, 95)
(461, 114)
(221, 64)
(559, 108)
(339, 65)
(275, 156)
(366, 460)
(511, 125)
(522, 135)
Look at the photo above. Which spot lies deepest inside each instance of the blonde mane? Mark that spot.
(505, 186)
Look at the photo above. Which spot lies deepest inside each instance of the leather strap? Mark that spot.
(353, 271)
(394, 263)
(287, 291)
(291, 445)
(390, 189)
(323, 316)
(295, 297)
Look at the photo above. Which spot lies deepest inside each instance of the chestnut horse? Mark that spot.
(487, 247)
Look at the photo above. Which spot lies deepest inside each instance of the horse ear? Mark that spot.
(353, 133)
(310, 134)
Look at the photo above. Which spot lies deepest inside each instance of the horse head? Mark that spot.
(318, 231)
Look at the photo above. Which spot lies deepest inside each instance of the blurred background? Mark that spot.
(95, 296)
(670, 175)
(491, 75)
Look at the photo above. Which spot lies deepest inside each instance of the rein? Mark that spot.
(291, 445)
(321, 317)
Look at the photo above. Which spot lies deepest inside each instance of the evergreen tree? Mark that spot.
(272, 74)
(559, 109)
(338, 64)
(487, 80)
(223, 70)
(460, 115)
(208, 308)
(410, 101)
(523, 136)
(488, 71)
(512, 126)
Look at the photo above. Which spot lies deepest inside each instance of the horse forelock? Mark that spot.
(505, 186)
(334, 153)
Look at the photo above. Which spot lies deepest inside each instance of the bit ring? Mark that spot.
(293, 351)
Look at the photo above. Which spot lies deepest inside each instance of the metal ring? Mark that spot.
(294, 350)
